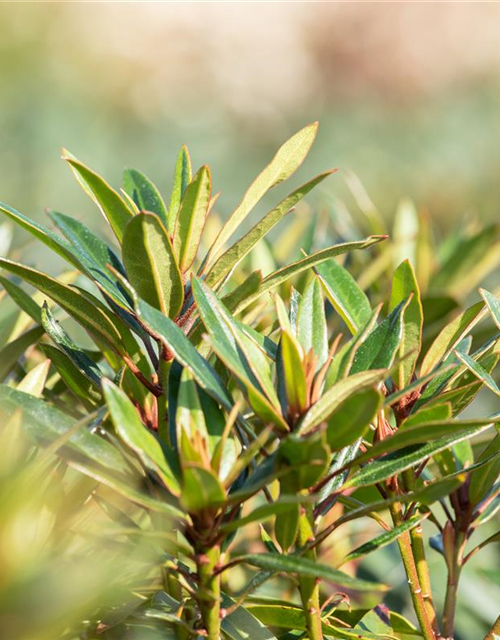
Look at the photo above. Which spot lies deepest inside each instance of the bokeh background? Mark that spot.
(407, 94)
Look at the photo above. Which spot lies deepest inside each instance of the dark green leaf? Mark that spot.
(136, 436)
(151, 265)
(144, 193)
(308, 569)
(348, 299)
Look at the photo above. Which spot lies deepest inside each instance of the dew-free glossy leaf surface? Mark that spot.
(151, 265)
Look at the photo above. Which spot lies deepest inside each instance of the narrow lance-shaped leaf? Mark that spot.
(380, 347)
(44, 424)
(404, 287)
(94, 256)
(238, 352)
(311, 323)
(399, 461)
(182, 177)
(191, 217)
(136, 436)
(201, 489)
(287, 160)
(12, 351)
(79, 358)
(22, 299)
(383, 539)
(483, 480)
(173, 337)
(416, 434)
(294, 381)
(351, 420)
(478, 371)
(112, 206)
(76, 381)
(76, 303)
(347, 298)
(309, 569)
(144, 193)
(34, 381)
(48, 237)
(294, 269)
(451, 335)
(230, 258)
(151, 265)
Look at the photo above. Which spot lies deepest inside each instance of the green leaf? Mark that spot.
(151, 265)
(12, 351)
(112, 206)
(404, 285)
(90, 314)
(422, 433)
(136, 436)
(351, 420)
(381, 345)
(77, 382)
(347, 298)
(240, 624)
(336, 395)
(311, 323)
(22, 299)
(45, 424)
(190, 220)
(284, 274)
(286, 527)
(238, 352)
(450, 336)
(307, 458)
(230, 258)
(286, 161)
(493, 304)
(341, 363)
(398, 461)
(94, 256)
(383, 539)
(293, 376)
(34, 381)
(484, 478)
(48, 237)
(478, 371)
(78, 357)
(127, 489)
(309, 569)
(182, 178)
(173, 338)
(191, 428)
(201, 489)
(285, 615)
(144, 193)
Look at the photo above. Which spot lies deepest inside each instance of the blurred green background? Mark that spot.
(407, 94)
